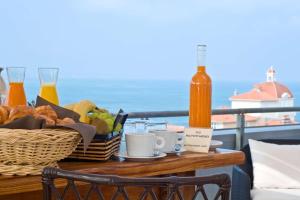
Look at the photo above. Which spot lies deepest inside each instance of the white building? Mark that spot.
(267, 94)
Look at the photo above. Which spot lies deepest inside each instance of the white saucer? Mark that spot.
(176, 152)
(215, 144)
(142, 158)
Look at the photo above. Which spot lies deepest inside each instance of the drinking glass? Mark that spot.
(48, 79)
(140, 126)
(16, 94)
(3, 90)
(156, 125)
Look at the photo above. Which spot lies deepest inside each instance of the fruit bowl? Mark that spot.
(104, 121)
(109, 131)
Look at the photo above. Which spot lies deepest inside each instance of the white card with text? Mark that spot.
(197, 139)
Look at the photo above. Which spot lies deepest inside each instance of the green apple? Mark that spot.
(110, 124)
(119, 127)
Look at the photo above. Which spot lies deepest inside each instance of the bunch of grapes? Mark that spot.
(104, 122)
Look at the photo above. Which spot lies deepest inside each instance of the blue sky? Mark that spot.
(135, 39)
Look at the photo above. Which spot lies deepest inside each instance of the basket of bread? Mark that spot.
(32, 138)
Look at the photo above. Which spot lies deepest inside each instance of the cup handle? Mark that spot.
(162, 142)
(179, 143)
(180, 139)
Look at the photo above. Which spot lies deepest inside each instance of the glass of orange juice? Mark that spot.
(16, 93)
(48, 79)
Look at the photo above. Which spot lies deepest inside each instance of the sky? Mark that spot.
(154, 39)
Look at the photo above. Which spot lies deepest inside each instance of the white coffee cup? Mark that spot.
(174, 140)
(143, 145)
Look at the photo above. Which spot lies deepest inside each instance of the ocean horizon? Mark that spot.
(144, 95)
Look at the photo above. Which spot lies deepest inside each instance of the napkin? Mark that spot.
(60, 111)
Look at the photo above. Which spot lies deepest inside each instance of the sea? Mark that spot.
(144, 95)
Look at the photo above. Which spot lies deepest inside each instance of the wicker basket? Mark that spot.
(24, 152)
(100, 149)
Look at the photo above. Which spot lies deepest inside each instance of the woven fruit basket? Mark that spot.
(101, 148)
(104, 145)
(24, 152)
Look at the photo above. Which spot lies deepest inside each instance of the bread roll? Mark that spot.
(65, 121)
(46, 111)
(49, 121)
(8, 114)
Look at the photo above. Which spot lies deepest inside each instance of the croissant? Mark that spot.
(4, 113)
(8, 114)
(19, 112)
(46, 111)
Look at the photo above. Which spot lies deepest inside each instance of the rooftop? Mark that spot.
(231, 118)
(271, 90)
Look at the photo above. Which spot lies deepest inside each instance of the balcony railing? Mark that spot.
(240, 117)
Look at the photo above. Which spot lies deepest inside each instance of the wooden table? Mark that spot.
(29, 187)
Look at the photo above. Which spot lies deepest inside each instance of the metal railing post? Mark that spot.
(240, 131)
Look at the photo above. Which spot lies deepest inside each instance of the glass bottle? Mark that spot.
(200, 94)
(16, 93)
(48, 79)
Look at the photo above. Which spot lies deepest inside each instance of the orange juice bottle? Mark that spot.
(200, 94)
(16, 94)
(48, 79)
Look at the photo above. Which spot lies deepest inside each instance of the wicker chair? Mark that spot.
(171, 185)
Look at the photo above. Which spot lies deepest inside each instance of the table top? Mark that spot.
(172, 164)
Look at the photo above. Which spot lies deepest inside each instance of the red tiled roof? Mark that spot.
(231, 118)
(274, 123)
(267, 91)
(254, 95)
(278, 122)
(274, 88)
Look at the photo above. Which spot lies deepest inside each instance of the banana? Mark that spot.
(100, 110)
(82, 108)
(70, 106)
